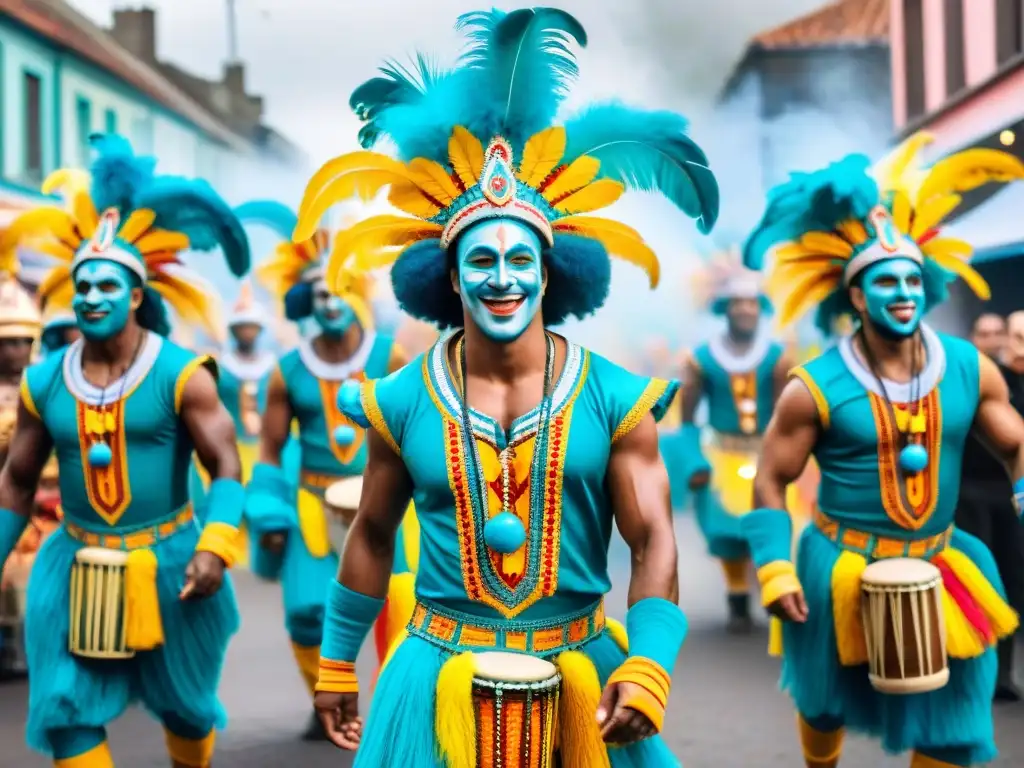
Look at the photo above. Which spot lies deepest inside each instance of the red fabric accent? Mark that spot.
(972, 612)
(931, 234)
(380, 633)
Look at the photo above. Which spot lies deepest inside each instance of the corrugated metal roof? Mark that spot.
(850, 22)
(67, 28)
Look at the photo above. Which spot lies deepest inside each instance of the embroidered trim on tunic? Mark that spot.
(652, 393)
(375, 416)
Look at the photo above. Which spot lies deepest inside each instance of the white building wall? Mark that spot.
(130, 114)
(21, 54)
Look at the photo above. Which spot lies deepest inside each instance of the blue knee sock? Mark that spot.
(72, 742)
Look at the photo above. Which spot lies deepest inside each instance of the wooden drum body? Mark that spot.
(341, 500)
(515, 698)
(904, 626)
(97, 621)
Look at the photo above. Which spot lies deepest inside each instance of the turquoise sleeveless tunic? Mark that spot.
(861, 484)
(243, 384)
(740, 389)
(312, 386)
(147, 480)
(557, 489)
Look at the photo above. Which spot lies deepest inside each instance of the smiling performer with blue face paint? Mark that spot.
(886, 414)
(521, 449)
(290, 532)
(125, 409)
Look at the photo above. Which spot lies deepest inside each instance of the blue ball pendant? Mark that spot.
(504, 533)
(913, 459)
(344, 435)
(100, 455)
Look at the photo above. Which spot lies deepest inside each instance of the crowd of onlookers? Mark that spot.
(986, 507)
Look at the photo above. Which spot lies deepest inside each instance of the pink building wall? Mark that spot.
(989, 107)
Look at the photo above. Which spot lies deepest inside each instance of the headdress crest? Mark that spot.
(723, 277)
(824, 228)
(477, 142)
(129, 215)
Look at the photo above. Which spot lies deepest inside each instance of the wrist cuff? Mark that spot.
(221, 540)
(777, 579)
(656, 629)
(225, 502)
(769, 534)
(337, 677)
(654, 681)
(348, 618)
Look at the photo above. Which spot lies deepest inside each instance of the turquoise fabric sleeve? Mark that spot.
(269, 503)
(348, 618)
(769, 534)
(350, 402)
(12, 525)
(656, 629)
(225, 502)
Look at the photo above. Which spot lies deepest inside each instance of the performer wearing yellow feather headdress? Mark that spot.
(291, 532)
(885, 413)
(520, 448)
(124, 409)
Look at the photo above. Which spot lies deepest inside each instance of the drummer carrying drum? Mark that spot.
(892, 614)
(520, 448)
(128, 601)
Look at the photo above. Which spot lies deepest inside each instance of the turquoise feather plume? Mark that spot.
(647, 151)
(118, 175)
(816, 201)
(271, 214)
(399, 85)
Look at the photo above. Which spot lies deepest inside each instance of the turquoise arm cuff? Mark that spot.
(225, 502)
(1018, 496)
(693, 455)
(350, 403)
(12, 525)
(769, 534)
(348, 618)
(656, 629)
(268, 501)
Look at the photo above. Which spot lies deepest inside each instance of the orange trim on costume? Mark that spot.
(655, 683)
(26, 397)
(191, 367)
(107, 487)
(744, 390)
(337, 677)
(334, 418)
(908, 500)
(820, 401)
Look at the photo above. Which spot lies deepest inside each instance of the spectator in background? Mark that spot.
(986, 506)
(988, 334)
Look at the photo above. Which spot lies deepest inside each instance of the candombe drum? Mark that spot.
(904, 626)
(341, 500)
(515, 699)
(98, 629)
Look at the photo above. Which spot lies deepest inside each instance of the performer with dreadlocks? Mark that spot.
(886, 413)
(124, 408)
(740, 373)
(520, 448)
(291, 531)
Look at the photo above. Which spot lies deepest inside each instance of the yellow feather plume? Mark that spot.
(466, 154)
(902, 213)
(853, 231)
(161, 240)
(281, 270)
(191, 303)
(815, 289)
(599, 194)
(580, 172)
(375, 242)
(619, 240)
(137, 225)
(792, 250)
(968, 170)
(70, 181)
(894, 171)
(826, 243)
(541, 156)
(433, 179)
(49, 246)
(56, 286)
(408, 197)
(85, 214)
(962, 270)
(358, 174)
(41, 222)
(950, 246)
(932, 213)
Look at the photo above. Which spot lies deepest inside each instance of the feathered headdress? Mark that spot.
(246, 311)
(824, 228)
(293, 267)
(723, 277)
(477, 142)
(142, 221)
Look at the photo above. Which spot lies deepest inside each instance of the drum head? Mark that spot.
(101, 556)
(513, 667)
(900, 571)
(344, 494)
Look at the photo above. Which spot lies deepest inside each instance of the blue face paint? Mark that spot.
(332, 313)
(501, 277)
(103, 298)
(894, 294)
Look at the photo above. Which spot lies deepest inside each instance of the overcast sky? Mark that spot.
(306, 56)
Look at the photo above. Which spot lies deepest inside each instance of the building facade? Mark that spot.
(958, 73)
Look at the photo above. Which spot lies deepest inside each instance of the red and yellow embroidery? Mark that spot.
(334, 418)
(908, 500)
(107, 487)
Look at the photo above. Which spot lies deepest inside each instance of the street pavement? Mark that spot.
(726, 710)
